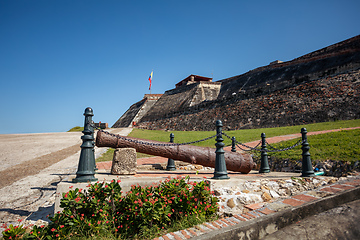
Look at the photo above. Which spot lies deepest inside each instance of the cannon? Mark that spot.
(205, 156)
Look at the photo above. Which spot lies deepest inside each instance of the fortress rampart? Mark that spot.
(319, 86)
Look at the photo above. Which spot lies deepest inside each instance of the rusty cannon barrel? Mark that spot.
(205, 156)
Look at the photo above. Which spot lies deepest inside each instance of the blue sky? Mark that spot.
(58, 57)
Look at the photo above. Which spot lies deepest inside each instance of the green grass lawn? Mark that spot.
(245, 135)
(317, 143)
(338, 146)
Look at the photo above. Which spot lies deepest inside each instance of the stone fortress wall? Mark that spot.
(326, 99)
(137, 111)
(319, 86)
(179, 100)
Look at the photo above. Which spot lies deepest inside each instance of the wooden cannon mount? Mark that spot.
(205, 156)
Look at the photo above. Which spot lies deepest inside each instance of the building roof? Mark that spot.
(193, 78)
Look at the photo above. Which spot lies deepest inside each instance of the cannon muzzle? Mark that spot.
(205, 156)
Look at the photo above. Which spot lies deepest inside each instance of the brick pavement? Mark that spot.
(264, 209)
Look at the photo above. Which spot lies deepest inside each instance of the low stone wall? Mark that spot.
(235, 200)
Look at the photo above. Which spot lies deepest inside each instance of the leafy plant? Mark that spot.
(14, 232)
(102, 210)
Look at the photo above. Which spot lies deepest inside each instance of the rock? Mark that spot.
(217, 193)
(124, 161)
(266, 197)
(230, 203)
(273, 184)
(333, 180)
(274, 194)
(248, 199)
(228, 191)
(282, 192)
(198, 167)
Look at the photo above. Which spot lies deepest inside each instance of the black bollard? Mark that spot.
(264, 167)
(307, 169)
(171, 163)
(233, 144)
(220, 172)
(86, 167)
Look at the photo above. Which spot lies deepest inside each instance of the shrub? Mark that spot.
(103, 210)
(76, 129)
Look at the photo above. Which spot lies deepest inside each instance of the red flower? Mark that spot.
(53, 229)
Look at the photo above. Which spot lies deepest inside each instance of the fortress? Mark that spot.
(320, 86)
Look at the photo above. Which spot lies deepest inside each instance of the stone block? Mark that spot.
(124, 161)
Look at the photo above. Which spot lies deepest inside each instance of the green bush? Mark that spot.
(14, 232)
(102, 210)
(76, 129)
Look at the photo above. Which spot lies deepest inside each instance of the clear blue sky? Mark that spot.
(58, 57)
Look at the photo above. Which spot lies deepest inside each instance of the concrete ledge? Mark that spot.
(262, 226)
